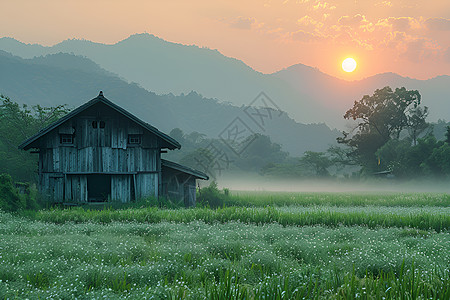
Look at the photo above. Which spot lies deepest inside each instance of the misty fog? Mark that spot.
(253, 182)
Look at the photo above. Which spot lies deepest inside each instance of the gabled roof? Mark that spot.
(171, 142)
(184, 169)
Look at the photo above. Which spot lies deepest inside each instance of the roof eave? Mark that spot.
(100, 98)
(58, 122)
(184, 169)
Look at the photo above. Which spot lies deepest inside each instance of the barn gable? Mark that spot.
(33, 142)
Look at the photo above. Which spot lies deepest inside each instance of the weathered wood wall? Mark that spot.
(179, 187)
(63, 167)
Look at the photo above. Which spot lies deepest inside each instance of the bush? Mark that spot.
(211, 196)
(9, 197)
(15, 196)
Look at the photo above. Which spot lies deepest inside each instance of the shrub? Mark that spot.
(9, 197)
(211, 196)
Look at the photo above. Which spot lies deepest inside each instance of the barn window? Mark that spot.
(97, 124)
(134, 139)
(66, 139)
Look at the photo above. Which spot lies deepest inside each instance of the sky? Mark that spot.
(407, 37)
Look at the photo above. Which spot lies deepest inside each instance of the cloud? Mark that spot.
(323, 6)
(393, 39)
(438, 24)
(356, 20)
(304, 36)
(241, 22)
(271, 32)
(400, 24)
(420, 49)
(310, 23)
(403, 24)
(385, 4)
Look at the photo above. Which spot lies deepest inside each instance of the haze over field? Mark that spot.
(240, 183)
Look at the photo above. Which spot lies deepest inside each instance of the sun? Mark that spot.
(349, 65)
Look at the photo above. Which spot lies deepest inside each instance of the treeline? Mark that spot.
(18, 168)
(390, 136)
(12, 200)
(215, 156)
(17, 123)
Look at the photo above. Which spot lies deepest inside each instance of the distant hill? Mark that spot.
(68, 79)
(308, 95)
(165, 67)
(337, 95)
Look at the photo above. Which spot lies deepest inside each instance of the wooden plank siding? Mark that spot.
(147, 185)
(75, 188)
(99, 160)
(63, 167)
(121, 188)
(179, 187)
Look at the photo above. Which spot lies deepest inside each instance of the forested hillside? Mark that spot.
(67, 79)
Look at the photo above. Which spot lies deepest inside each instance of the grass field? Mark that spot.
(260, 246)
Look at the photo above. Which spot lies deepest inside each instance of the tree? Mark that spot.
(194, 137)
(395, 156)
(177, 134)
(9, 198)
(260, 151)
(17, 123)
(417, 123)
(447, 135)
(317, 162)
(429, 157)
(379, 117)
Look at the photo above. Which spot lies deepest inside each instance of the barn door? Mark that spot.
(98, 187)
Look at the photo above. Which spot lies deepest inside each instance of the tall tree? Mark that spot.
(379, 117)
(177, 134)
(417, 123)
(259, 151)
(317, 162)
(18, 123)
(447, 135)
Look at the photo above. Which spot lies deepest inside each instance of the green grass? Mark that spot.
(425, 218)
(317, 250)
(261, 199)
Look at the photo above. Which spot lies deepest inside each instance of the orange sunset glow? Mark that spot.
(387, 36)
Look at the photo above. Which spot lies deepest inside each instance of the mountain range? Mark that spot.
(307, 94)
(68, 79)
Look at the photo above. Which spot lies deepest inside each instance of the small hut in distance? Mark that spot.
(100, 152)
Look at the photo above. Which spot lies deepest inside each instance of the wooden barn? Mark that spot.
(100, 152)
